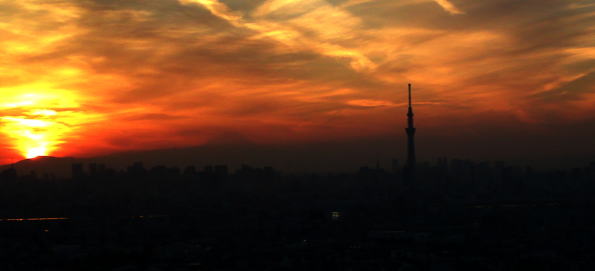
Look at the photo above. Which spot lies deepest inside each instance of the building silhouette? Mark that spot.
(410, 130)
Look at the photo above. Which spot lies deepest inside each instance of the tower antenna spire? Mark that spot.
(410, 130)
(409, 85)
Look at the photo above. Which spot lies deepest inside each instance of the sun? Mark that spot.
(33, 135)
(38, 122)
(35, 152)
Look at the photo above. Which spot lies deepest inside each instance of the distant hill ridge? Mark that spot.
(58, 167)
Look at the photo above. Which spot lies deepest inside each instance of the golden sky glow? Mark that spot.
(91, 77)
(38, 119)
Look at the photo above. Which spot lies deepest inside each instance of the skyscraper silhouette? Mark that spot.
(410, 137)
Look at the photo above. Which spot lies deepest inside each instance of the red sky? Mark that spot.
(91, 77)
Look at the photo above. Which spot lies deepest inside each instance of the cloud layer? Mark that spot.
(175, 73)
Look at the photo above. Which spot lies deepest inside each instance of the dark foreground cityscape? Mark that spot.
(449, 215)
(452, 215)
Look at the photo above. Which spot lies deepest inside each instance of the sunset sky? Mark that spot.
(490, 78)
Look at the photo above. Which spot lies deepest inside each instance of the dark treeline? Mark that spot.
(452, 215)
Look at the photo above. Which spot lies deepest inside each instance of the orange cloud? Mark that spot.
(127, 75)
(448, 6)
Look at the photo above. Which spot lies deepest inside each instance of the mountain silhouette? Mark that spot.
(59, 167)
(338, 156)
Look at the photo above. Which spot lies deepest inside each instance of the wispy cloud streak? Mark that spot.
(449, 7)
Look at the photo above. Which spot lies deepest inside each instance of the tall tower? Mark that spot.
(410, 136)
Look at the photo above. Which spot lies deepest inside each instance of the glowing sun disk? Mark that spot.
(36, 151)
(35, 122)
